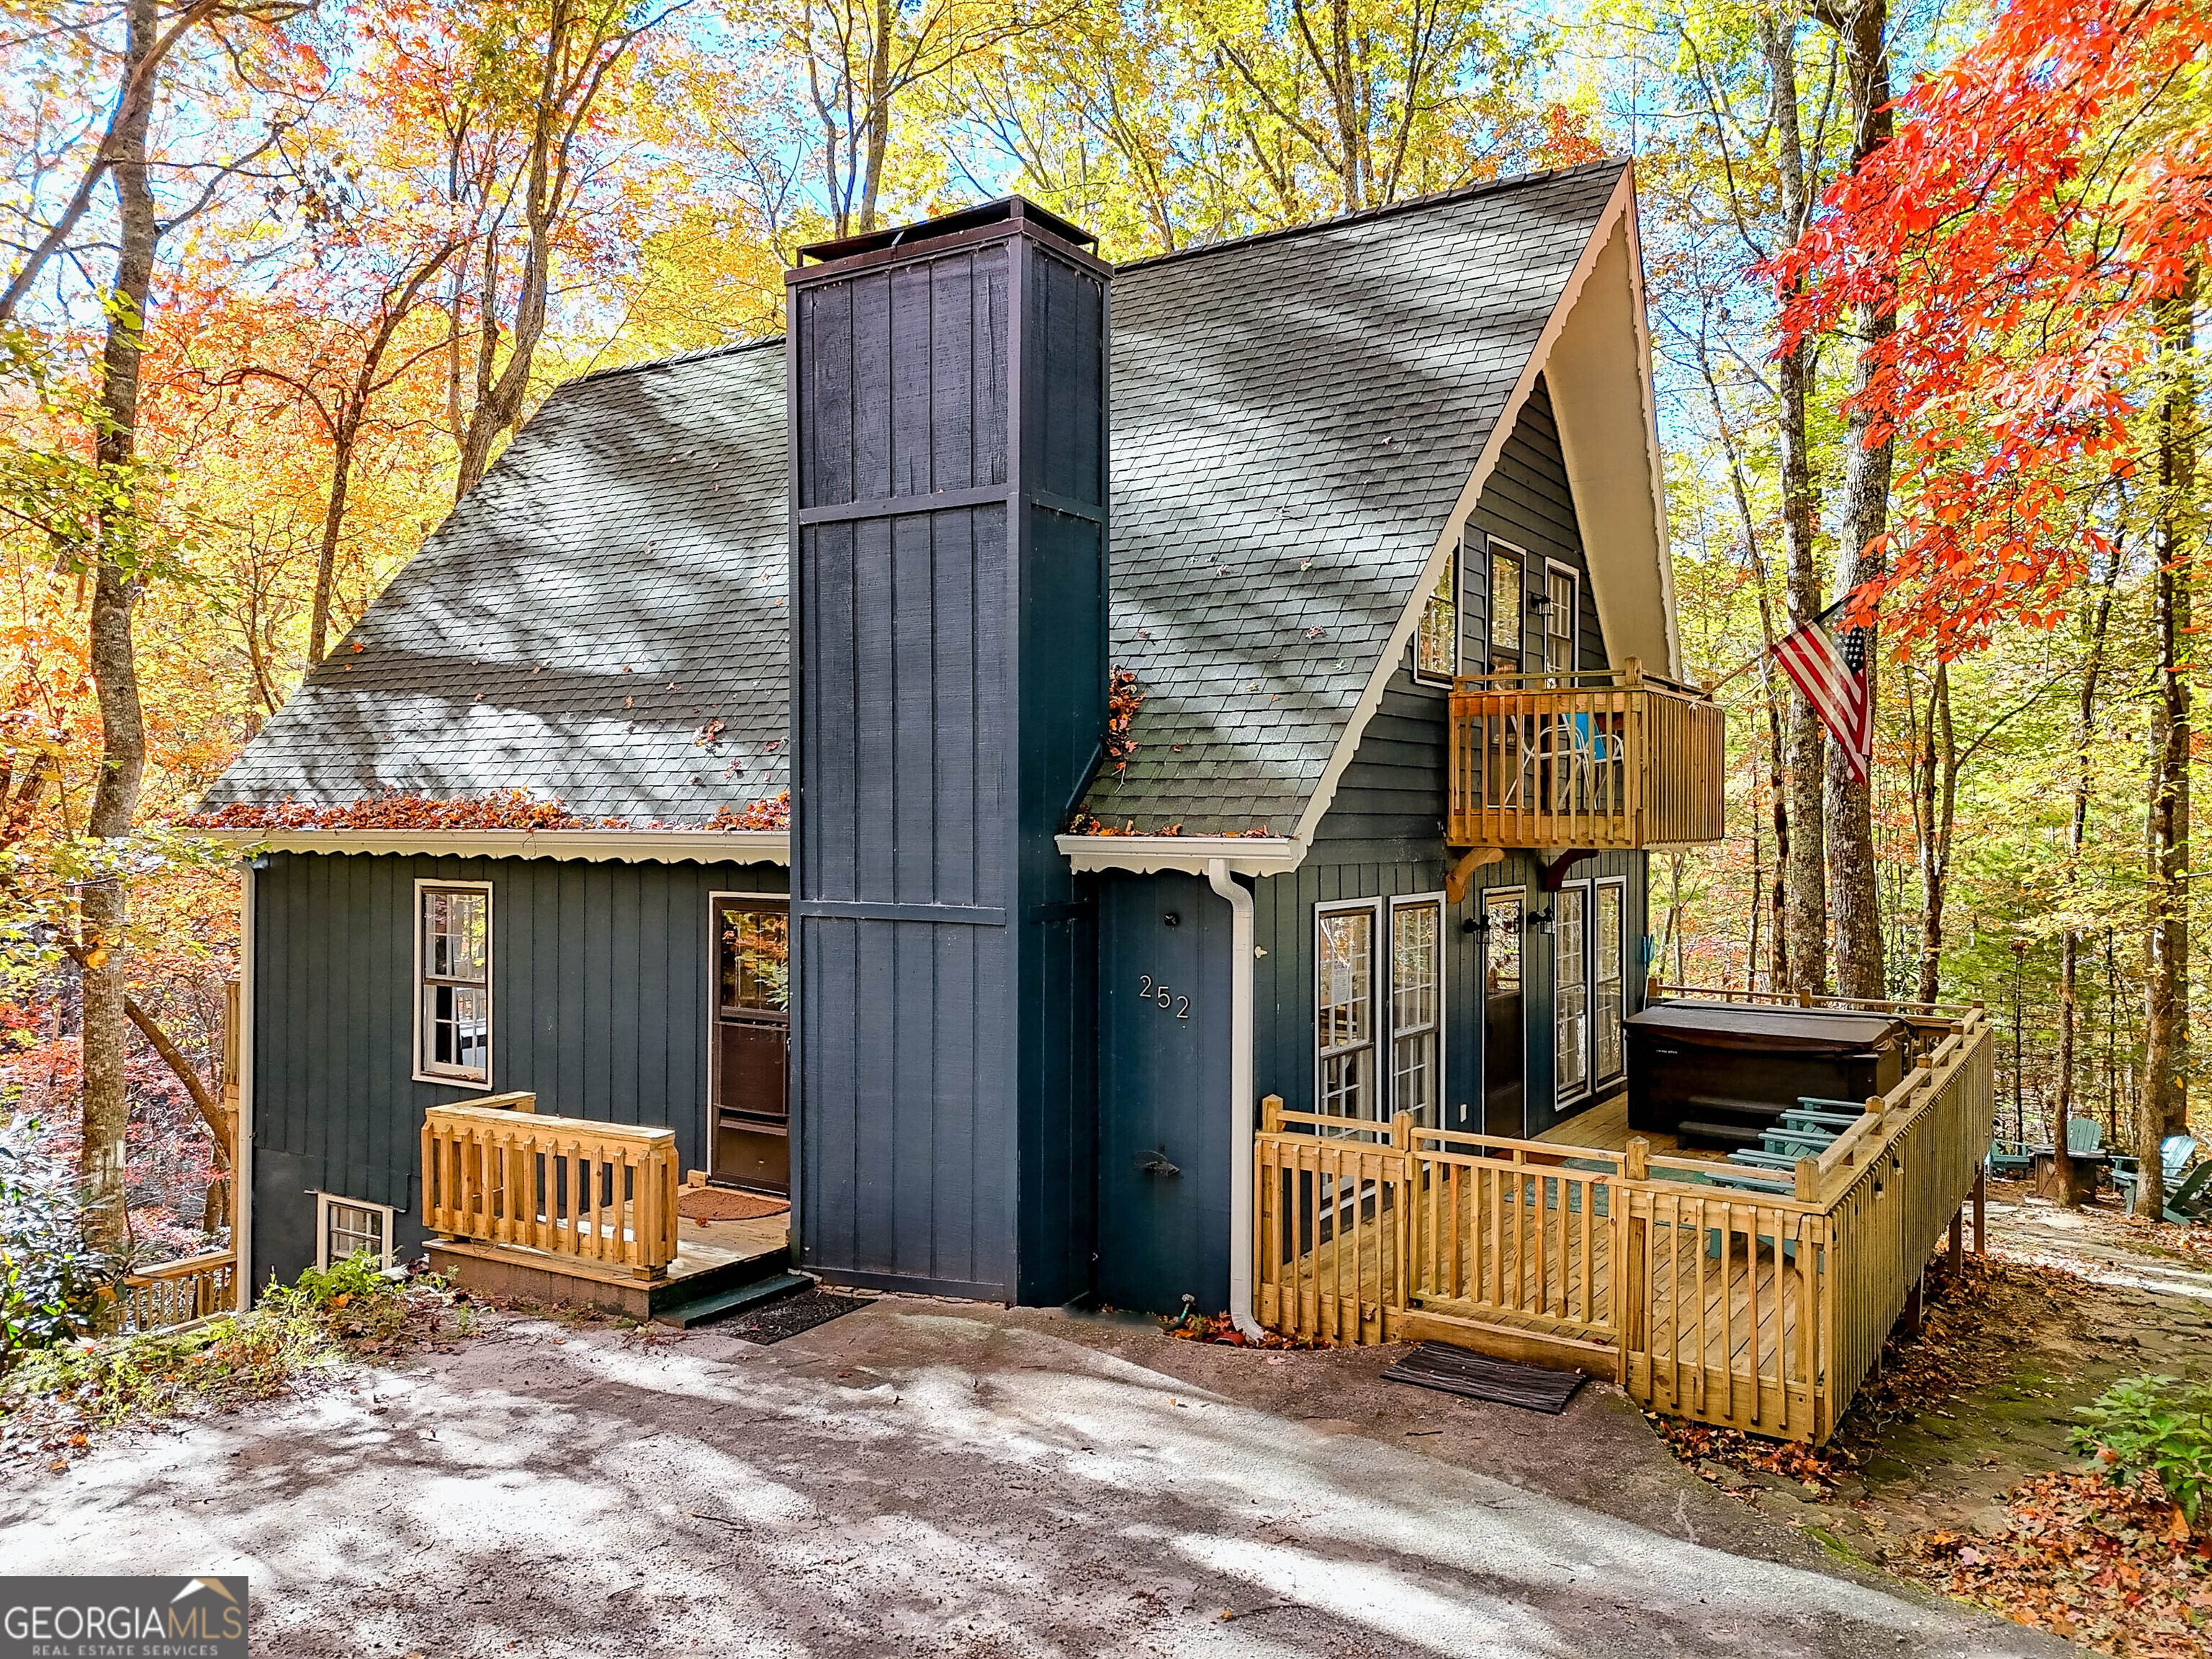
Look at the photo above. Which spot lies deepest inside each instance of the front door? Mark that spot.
(748, 1113)
(1502, 1028)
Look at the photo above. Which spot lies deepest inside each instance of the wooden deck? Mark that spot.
(1757, 1307)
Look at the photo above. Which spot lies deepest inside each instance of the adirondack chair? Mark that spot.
(2084, 1135)
(2192, 1199)
(2174, 1153)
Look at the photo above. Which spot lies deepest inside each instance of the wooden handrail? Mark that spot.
(1603, 760)
(495, 1171)
(178, 1293)
(1602, 1258)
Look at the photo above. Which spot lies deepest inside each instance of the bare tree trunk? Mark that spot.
(102, 910)
(1859, 967)
(2166, 969)
(326, 558)
(2069, 945)
(1802, 944)
(1935, 810)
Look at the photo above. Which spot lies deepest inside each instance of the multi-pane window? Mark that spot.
(1570, 958)
(349, 1228)
(1415, 1007)
(454, 965)
(1504, 609)
(1436, 642)
(1559, 621)
(1608, 989)
(1344, 1002)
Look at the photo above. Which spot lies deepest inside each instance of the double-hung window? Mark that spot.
(452, 966)
(1379, 1003)
(1417, 984)
(1345, 1012)
(1570, 988)
(1608, 981)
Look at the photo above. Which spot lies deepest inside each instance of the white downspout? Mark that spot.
(241, 1147)
(1240, 1096)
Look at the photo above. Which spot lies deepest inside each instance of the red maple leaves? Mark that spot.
(2041, 196)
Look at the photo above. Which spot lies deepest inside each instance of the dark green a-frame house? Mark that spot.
(1346, 517)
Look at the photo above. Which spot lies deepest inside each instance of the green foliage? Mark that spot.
(354, 1306)
(2159, 1425)
(50, 1282)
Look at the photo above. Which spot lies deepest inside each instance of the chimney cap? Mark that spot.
(1005, 209)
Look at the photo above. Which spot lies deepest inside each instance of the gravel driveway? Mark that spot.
(926, 1477)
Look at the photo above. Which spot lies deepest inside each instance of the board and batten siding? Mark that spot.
(600, 1005)
(1527, 501)
(1285, 991)
(949, 510)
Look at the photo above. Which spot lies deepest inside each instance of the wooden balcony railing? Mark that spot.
(1705, 1289)
(1611, 761)
(603, 1194)
(180, 1291)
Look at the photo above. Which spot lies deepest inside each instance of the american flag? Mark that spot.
(1833, 678)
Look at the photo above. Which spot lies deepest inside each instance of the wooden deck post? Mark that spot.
(1958, 1244)
(1981, 1209)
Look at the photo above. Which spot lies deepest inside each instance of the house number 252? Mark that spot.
(1148, 991)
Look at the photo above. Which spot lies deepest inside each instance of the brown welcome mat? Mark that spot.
(1456, 1370)
(720, 1204)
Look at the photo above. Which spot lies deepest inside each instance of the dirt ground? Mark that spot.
(940, 1479)
(1933, 1452)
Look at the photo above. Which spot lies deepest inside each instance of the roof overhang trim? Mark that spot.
(590, 846)
(1245, 855)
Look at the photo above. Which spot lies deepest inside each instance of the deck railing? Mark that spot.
(180, 1291)
(1705, 1289)
(1609, 760)
(496, 1173)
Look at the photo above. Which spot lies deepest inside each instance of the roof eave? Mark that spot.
(588, 846)
(1245, 855)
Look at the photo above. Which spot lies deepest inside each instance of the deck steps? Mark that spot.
(712, 1303)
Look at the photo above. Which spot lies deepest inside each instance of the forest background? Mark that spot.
(282, 278)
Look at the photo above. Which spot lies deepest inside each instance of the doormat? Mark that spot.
(774, 1321)
(720, 1204)
(1456, 1371)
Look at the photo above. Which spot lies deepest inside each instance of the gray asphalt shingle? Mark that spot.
(1294, 416)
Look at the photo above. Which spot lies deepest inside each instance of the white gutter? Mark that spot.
(596, 846)
(1244, 855)
(1240, 1096)
(241, 1131)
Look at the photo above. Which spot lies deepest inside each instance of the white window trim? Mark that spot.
(323, 1202)
(423, 1071)
(1441, 1024)
(1520, 647)
(1574, 616)
(1561, 1098)
(1597, 1077)
(1378, 944)
(1429, 676)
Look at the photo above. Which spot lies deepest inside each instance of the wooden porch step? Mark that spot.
(710, 1304)
(1553, 1350)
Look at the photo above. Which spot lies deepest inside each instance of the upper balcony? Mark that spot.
(1615, 760)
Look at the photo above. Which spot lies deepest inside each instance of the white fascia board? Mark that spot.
(1245, 855)
(590, 846)
(1386, 665)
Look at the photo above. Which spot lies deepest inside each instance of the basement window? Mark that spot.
(347, 1226)
(452, 960)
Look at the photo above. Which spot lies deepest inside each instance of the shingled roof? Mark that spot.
(1294, 418)
(603, 618)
